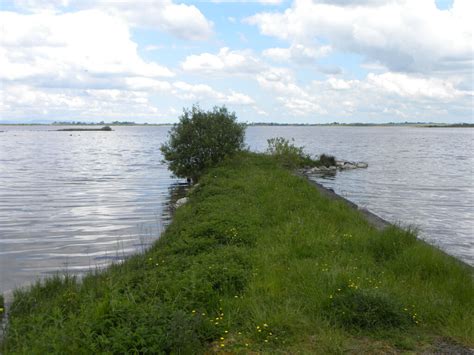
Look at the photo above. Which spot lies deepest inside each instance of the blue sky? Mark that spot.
(302, 61)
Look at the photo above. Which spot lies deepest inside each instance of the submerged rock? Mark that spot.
(340, 165)
(348, 166)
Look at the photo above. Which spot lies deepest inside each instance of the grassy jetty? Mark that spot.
(257, 261)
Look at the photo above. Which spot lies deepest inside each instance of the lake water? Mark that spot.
(76, 200)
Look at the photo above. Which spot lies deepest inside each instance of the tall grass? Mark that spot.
(257, 261)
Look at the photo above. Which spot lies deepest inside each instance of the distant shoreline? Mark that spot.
(262, 124)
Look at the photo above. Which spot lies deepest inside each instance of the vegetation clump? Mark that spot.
(292, 157)
(327, 160)
(354, 308)
(287, 154)
(202, 139)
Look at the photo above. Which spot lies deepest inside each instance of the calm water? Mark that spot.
(418, 177)
(75, 200)
(71, 201)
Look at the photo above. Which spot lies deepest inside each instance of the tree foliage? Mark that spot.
(202, 139)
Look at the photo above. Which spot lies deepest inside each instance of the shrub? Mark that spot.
(202, 139)
(287, 153)
(327, 160)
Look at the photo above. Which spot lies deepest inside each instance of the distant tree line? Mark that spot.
(361, 124)
(101, 123)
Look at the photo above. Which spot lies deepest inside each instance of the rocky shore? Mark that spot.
(340, 165)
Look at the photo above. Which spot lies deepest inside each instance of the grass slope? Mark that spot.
(257, 261)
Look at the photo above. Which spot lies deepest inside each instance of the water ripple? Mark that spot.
(416, 177)
(78, 202)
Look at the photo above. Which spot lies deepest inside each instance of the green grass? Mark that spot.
(257, 261)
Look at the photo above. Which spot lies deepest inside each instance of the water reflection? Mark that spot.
(72, 202)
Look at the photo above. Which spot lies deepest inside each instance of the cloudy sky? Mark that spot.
(269, 60)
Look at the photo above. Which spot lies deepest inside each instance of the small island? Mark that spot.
(106, 128)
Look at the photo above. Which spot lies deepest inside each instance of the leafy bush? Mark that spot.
(287, 153)
(291, 156)
(202, 139)
(327, 160)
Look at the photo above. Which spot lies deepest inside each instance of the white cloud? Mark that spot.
(238, 98)
(152, 47)
(24, 101)
(81, 64)
(377, 96)
(70, 49)
(301, 107)
(182, 20)
(140, 83)
(226, 61)
(357, 2)
(199, 92)
(194, 91)
(298, 53)
(41, 5)
(415, 86)
(264, 2)
(340, 84)
(402, 35)
(80, 59)
(282, 82)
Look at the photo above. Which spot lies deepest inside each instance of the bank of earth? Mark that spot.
(258, 260)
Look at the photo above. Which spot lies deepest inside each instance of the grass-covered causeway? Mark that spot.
(256, 261)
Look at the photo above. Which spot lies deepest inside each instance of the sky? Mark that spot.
(299, 61)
